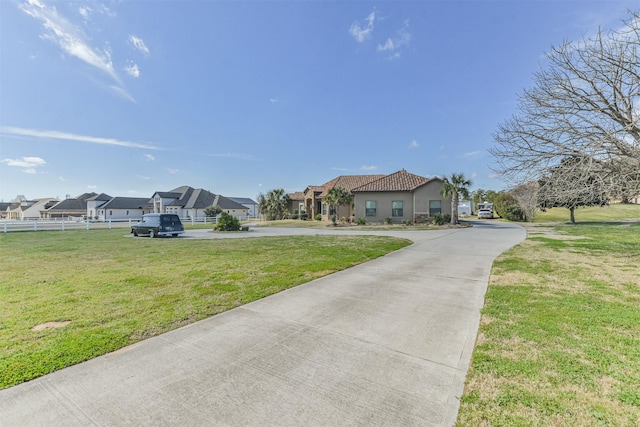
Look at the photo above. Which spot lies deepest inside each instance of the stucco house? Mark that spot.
(296, 202)
(188, 202)
(314, 196)
(399, 196)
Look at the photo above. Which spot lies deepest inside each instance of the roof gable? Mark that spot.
(398, 181)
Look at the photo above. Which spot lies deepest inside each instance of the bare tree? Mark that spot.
(586, 104)
(527, 197)
(572, 184)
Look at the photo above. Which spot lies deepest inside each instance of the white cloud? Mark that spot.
(361, 33)
(62, 178)
(392, 46)
(387, 46)
(138, 43)
(149, 157)
(414, 144)
(70, 38)
(28, 164)
(52, 134)
(133, 70)
(494, 175)
(369, 168)
(92, 187)
(472, 153)
(474, 174)
(173, 171)
(273, 100)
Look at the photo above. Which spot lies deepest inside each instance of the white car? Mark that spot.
(485, 214)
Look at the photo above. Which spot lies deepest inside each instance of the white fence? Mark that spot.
(78, 224)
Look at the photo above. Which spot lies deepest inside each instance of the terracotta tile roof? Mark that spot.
(298, 195)
(398, 181)
(349, 182)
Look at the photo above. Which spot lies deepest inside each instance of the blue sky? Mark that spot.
(239, 97)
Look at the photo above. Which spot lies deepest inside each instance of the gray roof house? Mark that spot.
(188, 202)
(250, 204)
(124, 208)
(68, 208)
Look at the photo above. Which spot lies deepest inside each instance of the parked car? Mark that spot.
(158, 224)
(485, 214)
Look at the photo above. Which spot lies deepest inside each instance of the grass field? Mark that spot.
(559, 341)
(115, 290)
(615, 212)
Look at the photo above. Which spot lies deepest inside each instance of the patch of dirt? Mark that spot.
(50, 325)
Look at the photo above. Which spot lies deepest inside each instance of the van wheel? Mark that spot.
(152, 234)
(135, 233)
(174, 235)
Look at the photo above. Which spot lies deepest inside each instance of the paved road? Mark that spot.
(385, 343)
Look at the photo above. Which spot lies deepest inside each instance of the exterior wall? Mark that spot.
(120, 214)
(238, 213)
(384, 206)
(342, 211)
(427, 193)
(414, 203)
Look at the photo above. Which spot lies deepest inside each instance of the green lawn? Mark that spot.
(614, 212)
(559, 341)
(115, 290)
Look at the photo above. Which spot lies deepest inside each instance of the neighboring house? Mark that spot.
(22, 209)
(93, 203)
(188, 202)
(124, 208)
(5, 207)
(400, 196)
(69, 208)
(250, 204)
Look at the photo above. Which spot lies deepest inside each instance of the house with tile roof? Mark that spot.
(314, 195)
(399, 196)
(188, 202)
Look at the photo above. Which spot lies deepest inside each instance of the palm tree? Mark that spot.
(339, 196)
(455, 188)
(274, 205)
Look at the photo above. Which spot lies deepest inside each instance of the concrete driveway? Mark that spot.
(385, 343)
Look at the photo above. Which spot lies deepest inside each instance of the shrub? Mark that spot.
(334, 219)
(406, 221)
(318, 217)
(343, 219)
(228, 222)
(362, 221)
(295, 214)
(388, 220)
(441, 219)
(303, 215)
